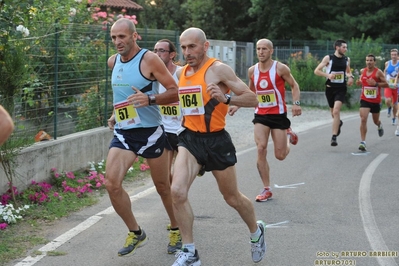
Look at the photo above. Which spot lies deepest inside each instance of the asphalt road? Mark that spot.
(330, 206)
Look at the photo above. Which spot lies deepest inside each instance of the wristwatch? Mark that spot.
(228, 97)
(297, 103)
(151, 100)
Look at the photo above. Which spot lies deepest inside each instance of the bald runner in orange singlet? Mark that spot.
(204, 94)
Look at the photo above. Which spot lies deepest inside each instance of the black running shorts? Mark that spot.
(335, 94)
(173, 141)
(279, 121)
(214, 151)
(145, 142)
(375, 108)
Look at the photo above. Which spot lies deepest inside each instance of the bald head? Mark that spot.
(194, 46)
(125, 22)
(265, 42)
(195, 33)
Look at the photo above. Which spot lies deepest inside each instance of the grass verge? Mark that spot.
(19, 239)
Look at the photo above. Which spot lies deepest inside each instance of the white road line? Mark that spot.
(277, 225)
(62, 239)
(374, 236)
(289, 186)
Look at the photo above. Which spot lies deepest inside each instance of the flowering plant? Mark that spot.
(69, 182)
(65, 187)
(105, 17)
(8, 214)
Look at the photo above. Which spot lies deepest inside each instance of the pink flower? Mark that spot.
(98, 184)
(70, 175)
(102, 14)
(56, 194)
(144, 167)
(5, 198)
(3, 226)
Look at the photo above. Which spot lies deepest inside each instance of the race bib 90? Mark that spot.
(266, 98)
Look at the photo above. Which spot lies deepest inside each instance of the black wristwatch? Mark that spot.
(151, 100)
(297, 103)
(228, 97)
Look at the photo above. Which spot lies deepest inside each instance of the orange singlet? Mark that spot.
(201, 113)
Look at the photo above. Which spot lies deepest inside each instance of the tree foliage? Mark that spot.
(278, 19)
(351, 19)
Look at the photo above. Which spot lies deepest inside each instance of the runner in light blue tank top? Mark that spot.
(138, 130)
(122, 82)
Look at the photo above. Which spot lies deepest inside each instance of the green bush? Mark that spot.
(302, 67)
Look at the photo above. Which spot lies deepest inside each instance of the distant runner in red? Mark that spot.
(372, 79)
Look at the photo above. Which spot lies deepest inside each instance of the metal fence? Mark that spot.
(68, 89)
(284, 50)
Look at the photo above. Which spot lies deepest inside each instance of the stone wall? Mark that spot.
(67, 153)
(313, 98)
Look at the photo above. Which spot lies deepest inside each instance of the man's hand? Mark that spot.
(296, 110)
(232, 110)
(111, 122)
(350, 81)
(216, 93)
(138, 99)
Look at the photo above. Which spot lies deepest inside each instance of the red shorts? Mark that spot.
(391, 93)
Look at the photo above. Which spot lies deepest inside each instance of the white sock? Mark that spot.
(190, 247)
(255, 236)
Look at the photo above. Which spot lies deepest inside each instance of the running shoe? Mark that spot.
(394, 121)
(168, 227)
(397, 131)
(133, 242)
(185, 258)
(174, 241)
(293, 137)
(258, 248)
(380, 130)
(339, 128)
(362, 146)
(389, 112)
(264, 195)
(334, 141)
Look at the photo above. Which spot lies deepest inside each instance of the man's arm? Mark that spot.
(156, 69)
(349, 73)
(383, 82)
(227, 79)
(359, 80)
(319, 69)
(285, 73)
(6, 125)
(385, 69)
(111, 61)
(251, 84)
(111, 121)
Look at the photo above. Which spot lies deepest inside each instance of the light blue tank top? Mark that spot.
(392, 70)
(128, 74)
